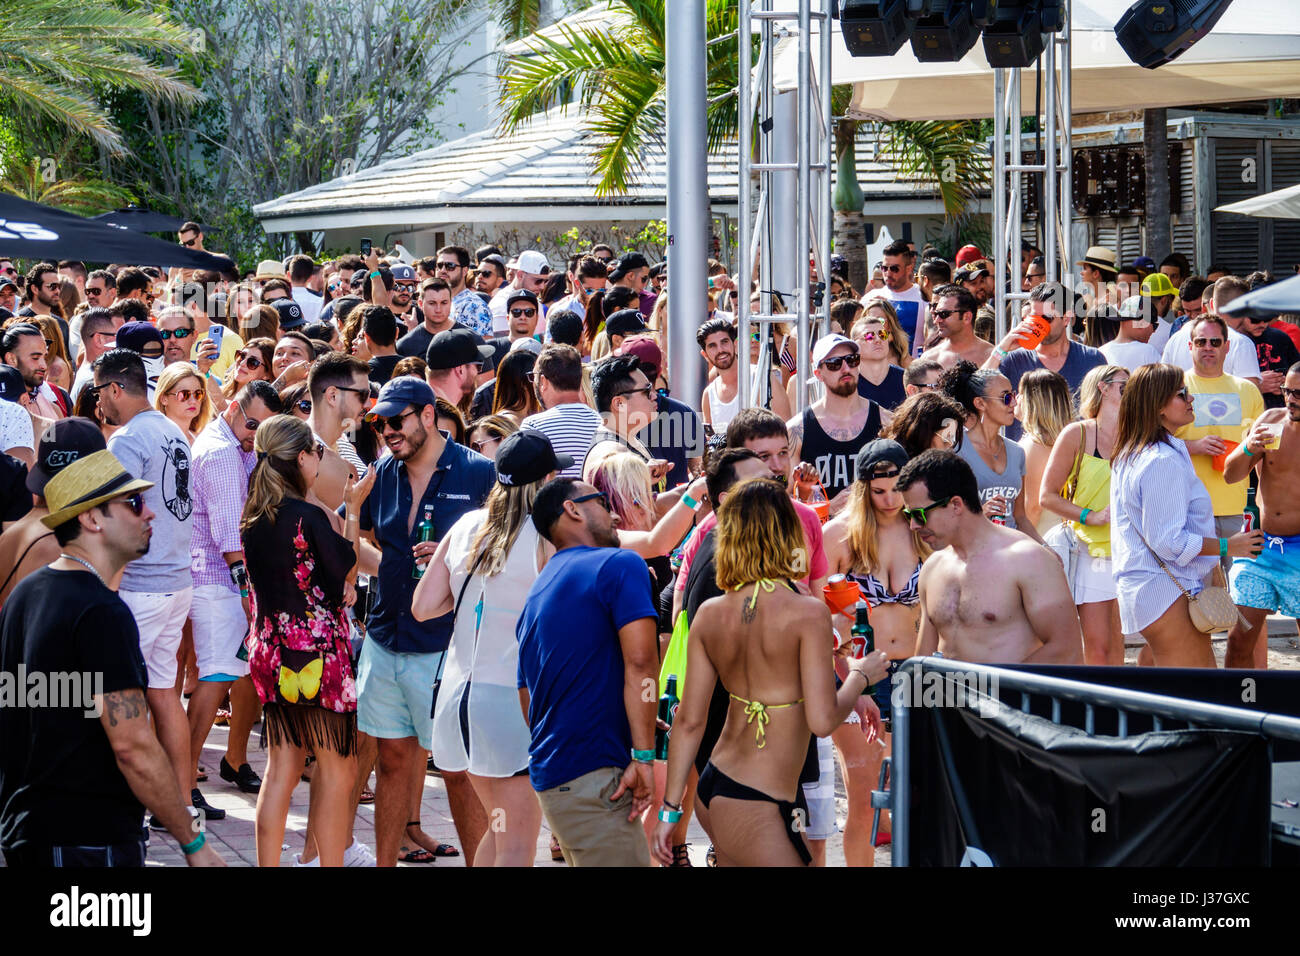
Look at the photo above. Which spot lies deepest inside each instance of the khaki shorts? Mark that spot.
(592, 830)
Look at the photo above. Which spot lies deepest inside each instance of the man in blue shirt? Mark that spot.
(676, 434)
(587, 680)
(428, 477)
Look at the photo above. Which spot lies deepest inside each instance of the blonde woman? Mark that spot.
(1044, 407)
(301, 573)
(482, 571)
(58, 367)
(624, 478)
(180, 396)
(1076, 488)
(872, 544)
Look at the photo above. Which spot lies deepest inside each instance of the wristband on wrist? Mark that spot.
(643, 756)
(690, 502)
(1246, 449)
(375, 274)
(1001, 353)
(189, 849)
(670, 816)
(1223, 547)
(672, 806)
(1083, 515)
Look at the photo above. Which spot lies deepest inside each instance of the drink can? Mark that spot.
(999, 519)
(858, 645)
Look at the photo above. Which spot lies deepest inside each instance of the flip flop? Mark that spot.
(418, 855)
(446, 849)
(367, 796)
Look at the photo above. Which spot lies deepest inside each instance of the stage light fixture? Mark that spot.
(944, 32)
(1156, 32)
(1015, 31)
(874, 27)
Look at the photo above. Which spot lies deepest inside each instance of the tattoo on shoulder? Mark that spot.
(123, 705)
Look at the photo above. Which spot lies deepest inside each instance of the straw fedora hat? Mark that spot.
(1099, 257)
(270, 269)
(85, 483)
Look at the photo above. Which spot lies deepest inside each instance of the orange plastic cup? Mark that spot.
(1221, 461)
(841, 600)
(823, 509)
(1040, 327)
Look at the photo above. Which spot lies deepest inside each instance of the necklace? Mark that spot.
(85, 564)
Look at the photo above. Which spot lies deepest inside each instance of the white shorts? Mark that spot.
(820, 796)
(1093, 581)
(160, 618)
(220, 626)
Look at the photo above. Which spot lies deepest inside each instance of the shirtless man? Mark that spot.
(1270, 581)
(832, 429)
(988, 594)
(953, 315)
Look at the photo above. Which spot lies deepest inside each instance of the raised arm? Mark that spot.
(670, 529)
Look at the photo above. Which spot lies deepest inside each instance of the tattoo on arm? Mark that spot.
(125, 705)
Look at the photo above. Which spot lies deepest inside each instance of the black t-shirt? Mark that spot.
(676, 434)
(481, 403)
(889, 393)
(381, 367)
(15, 499)
(59, 781)
(1276, 353)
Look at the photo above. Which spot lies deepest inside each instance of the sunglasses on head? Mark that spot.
(919, 515)
(166, 334)
(134, 501)
(594, 496)
(520, 313)
(834, 364)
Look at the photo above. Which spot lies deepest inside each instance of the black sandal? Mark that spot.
(681, 856)
(441, 849)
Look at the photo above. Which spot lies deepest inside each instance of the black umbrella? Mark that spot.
(144, 220)
(1267, 302)
(29, 230)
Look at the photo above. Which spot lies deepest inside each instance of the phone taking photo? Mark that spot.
(365, 247)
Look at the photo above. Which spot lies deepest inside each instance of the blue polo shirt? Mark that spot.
(460, 483)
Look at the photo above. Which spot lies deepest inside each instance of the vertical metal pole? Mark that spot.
(1066, 122)
(803, 209)
(688, 193)
(828, 157)
(1048, 215)
(770, 183)
(1014, 205)
(900, 766)
(745, 129)
(1000, 244)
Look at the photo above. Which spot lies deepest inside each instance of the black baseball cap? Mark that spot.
(65, 441)
(626, 263)
(527, 456)
(12, 385)
(882, 451)
(521, 295)
(291, 316)
(455, 347)
(625, 322)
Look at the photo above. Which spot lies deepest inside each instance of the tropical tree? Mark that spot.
(37, 180)
(58, 57)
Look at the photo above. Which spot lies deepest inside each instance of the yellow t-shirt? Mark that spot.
(1226, 407)
(230, 344)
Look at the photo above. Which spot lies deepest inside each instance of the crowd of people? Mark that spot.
(448, 516)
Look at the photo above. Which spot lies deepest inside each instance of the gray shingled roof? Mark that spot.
(486, 177)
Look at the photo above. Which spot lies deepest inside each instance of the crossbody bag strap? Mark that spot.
(1160, 562)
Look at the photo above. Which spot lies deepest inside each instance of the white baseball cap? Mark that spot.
(827, 343)
(534, 263)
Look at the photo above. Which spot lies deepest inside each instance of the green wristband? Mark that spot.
(1083, 515)
(669, 816)
(643, 756)
(1223, 547)
(1249, 453)
(189, 849)
(374, 275)
(690, 502)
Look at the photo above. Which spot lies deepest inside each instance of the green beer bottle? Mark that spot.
(667, 710)
(425, 533)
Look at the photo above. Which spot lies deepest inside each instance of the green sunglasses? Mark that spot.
(919, 514)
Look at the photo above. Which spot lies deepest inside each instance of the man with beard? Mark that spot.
(830, 431)
(467, 306)
(989, 594)
(490, 275)
(587, 645)
(401, 299)
(453, 360)
(427, 478)
(1270, 581)
(23, 346)
(900, 290)
(721, 399)
(953, 311)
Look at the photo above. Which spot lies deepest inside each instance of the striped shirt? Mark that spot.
(1155, 495)
(570, 427)
(219, 479)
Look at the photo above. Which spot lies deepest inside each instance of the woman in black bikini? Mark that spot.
(770, 647)
(871, 544)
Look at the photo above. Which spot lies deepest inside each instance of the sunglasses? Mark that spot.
(478, 446)
(250, 424)
(520, 313)
(1202, 343)
(1291, 392)
(189, 243)
(919, 515)
(185, 394)
(1184, 394)
(91, 290)
(96, 389)
(382, 423)
(319, 449)
(304, 406)
(944, 313)
(1008, 398)
(594, 496)
(446, 266)
(166, 334)
(834, 364)
(648, 391)
(133, 501)
(486, 273)
(893, 268)
(873, 335)
(247, 358)
(404, 286)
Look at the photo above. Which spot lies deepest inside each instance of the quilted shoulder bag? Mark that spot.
(1212, 609)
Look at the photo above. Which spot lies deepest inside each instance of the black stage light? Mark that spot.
(874, 27)
(1015, 33)
(944, 32)
(1156, 32)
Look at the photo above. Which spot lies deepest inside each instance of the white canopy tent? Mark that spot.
(1279, 204)
(1252, 53)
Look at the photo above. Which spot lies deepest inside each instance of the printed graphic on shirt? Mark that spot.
(1217, 408)
(175, 485)
(835, 471)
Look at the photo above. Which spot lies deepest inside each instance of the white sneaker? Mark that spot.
(297, 861)
(358, 854)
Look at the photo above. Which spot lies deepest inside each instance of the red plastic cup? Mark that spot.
(1219, 462)
(1040, 326)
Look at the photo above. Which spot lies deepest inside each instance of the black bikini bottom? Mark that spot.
(715, 783)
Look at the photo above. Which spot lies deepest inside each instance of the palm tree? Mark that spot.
(58, 56)
(85, 197)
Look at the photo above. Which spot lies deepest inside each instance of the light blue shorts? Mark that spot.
(395, 693)
(1271, 579)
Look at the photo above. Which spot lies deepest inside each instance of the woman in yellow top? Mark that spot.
(771, 647)
(1080, 464)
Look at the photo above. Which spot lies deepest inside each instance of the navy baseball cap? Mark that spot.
(521, 295)
(397, 394)
(882, 451)
(291, 316)
(12, 385)
(528, 456)
(65, 441)
(136, 335)
(402, 272)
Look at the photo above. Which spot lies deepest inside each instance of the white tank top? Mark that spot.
(721, 413)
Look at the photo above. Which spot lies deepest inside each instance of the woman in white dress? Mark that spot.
(483, 569)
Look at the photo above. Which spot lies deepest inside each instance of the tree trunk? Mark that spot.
(850, 238)
(851, 243)
(306, 245)
(1159, 239)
